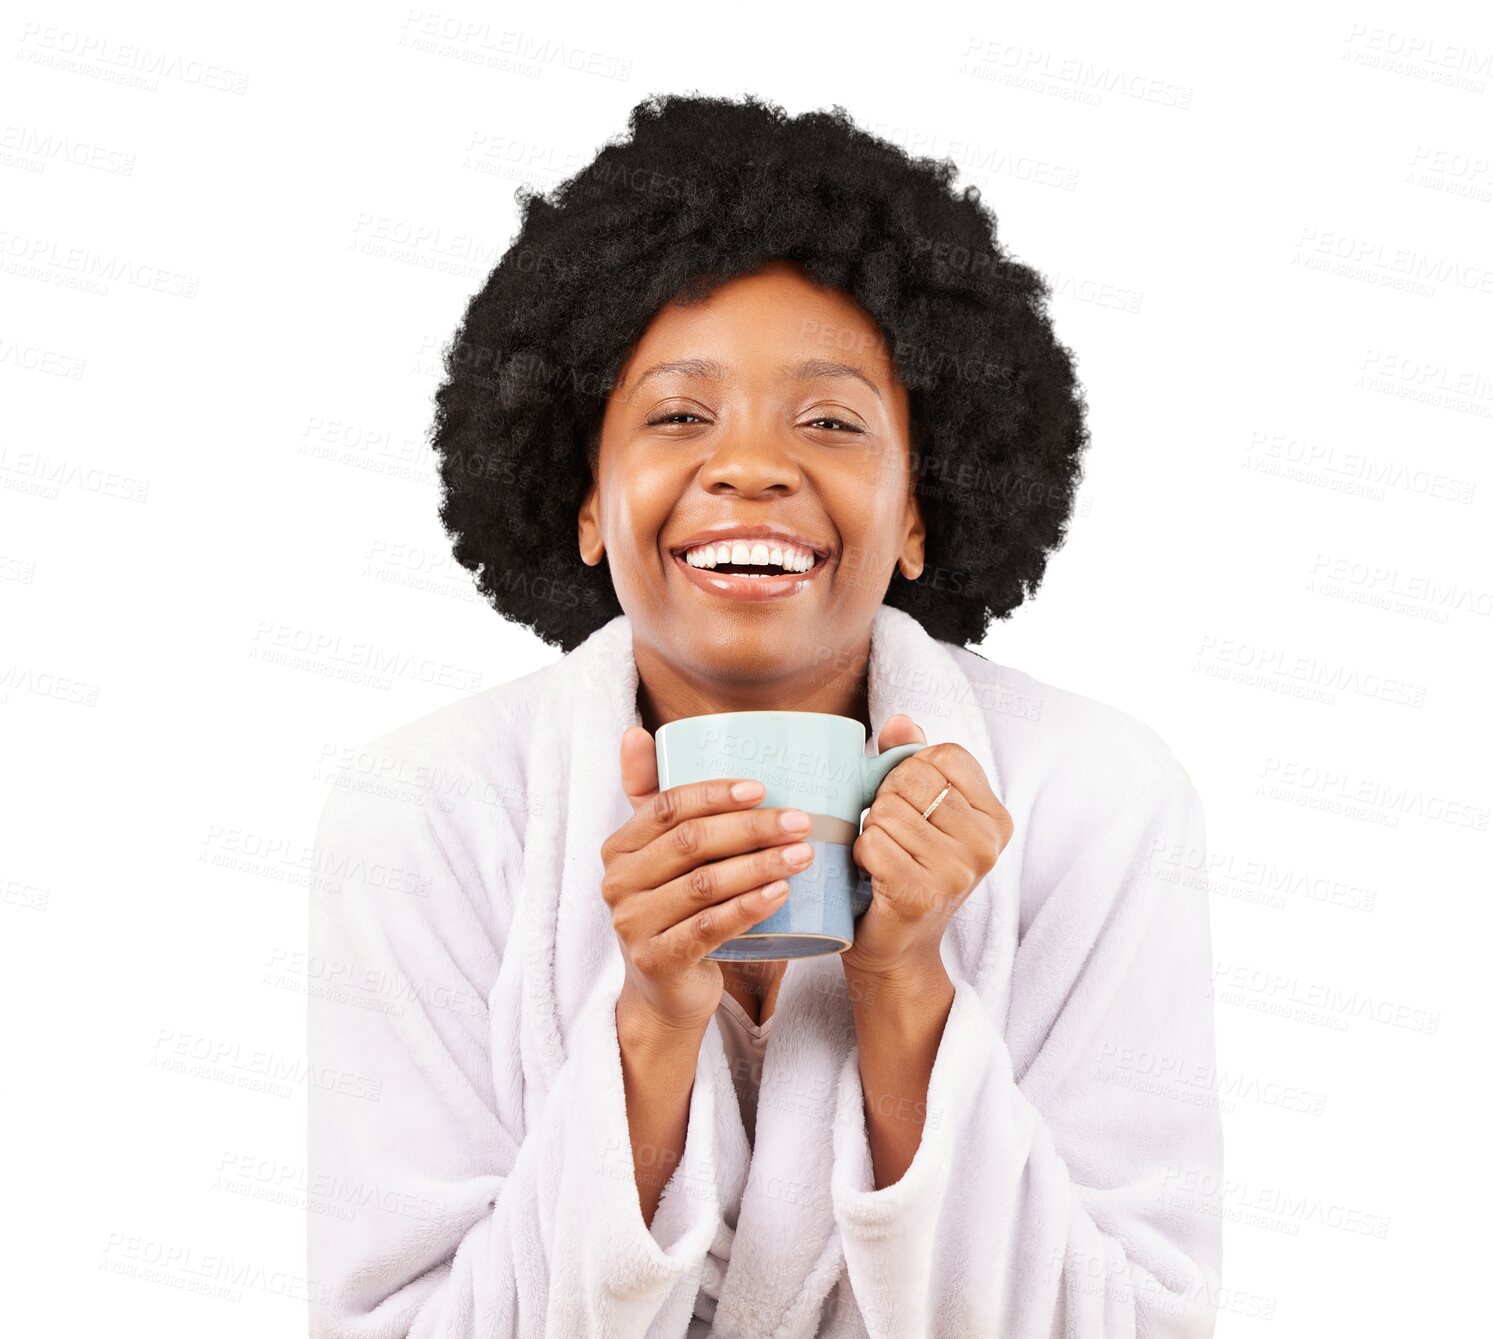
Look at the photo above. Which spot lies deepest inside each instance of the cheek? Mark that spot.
(869, 511)
(636, 504)
(869, 484)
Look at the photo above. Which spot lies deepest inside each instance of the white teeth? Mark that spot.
(755, 553)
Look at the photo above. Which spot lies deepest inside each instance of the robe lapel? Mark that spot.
(589, 698)
(786, 1253)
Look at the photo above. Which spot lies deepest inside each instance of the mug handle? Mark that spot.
(873, 772)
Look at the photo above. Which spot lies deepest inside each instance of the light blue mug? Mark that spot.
(805, 760)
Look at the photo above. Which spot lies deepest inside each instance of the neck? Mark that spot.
(669, 691)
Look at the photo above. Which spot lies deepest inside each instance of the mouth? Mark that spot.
(776, 566)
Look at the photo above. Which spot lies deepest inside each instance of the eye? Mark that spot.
(672, 417)
(849, 427)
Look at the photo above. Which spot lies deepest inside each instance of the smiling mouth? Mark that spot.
(749, 581)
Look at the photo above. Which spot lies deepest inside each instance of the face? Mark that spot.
(769, 416)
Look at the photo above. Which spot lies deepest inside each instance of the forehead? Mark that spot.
(757, 321)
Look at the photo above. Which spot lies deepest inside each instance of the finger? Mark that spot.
(954, 816)
(959, 853)
(920, 778)
(899, 881)
(957, 766)
(660, 815)
(909, 829)
(946, 859)
(702, 839)
(719, 881)
(639, 766)
(899, 729)
(916, 777)
(899, 809)
(707, 930)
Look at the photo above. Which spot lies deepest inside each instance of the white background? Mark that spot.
(224, 287)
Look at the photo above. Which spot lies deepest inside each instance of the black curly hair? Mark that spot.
(707, 189)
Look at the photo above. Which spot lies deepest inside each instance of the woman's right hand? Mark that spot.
(694, 866)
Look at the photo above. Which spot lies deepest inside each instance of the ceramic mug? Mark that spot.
(806, 760)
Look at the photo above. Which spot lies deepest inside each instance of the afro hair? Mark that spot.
(704, 190)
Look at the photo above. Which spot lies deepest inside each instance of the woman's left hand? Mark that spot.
(922, 869)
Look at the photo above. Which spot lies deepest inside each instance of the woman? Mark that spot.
(741, 329)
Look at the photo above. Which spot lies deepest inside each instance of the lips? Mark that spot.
(748, 589)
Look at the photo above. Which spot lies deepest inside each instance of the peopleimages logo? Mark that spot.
(1242, 661)
(1228, 873)
(1390, 582)
(1271, 1207)
(130, 63)
(1331, 787)
(1200, 1083)
(1282, 992)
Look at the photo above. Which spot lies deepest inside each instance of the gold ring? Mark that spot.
(937, 800)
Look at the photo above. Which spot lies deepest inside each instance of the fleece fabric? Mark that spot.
(468, 1121)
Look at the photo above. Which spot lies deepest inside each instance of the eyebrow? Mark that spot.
(810, 369)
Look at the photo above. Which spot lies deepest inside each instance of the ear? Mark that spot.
(911, 558)
(588, 528)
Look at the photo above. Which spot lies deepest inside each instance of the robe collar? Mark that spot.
(786, 1251)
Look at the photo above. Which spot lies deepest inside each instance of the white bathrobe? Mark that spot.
(471, 1169)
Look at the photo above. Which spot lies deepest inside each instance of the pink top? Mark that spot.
(744, 1042)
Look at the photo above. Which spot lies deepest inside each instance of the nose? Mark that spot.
(752, 462)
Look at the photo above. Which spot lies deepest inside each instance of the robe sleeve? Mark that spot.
(1047, 1193)
(433, 1214)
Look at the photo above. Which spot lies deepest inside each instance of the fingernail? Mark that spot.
(775, 890)
(794, 821)
(799, 853)
(747, 790)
